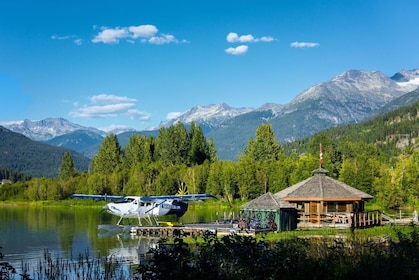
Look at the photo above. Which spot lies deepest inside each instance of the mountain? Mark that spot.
(351, 97)
(19, 153)
(212, 115)
(83, 141)
(408, 79)
(396, 129)
(48, 128)
(406, 99)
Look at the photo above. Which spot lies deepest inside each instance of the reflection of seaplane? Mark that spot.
(147, 207)
(132, 249)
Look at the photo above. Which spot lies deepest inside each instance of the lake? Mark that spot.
(28, 233)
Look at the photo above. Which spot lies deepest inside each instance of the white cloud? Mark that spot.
(304, 45)
(106, 105)
(66, 37)
(164, 39)
(110, 35)
(76, 40)
(110, 99)
(240, 50)
(144, 33)
(173, 115)
(233, 37)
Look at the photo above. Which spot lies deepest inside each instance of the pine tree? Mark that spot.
(109, 156)
(199, 151)
(264, 147)
(67, 169)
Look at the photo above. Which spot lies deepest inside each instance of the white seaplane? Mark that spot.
(148, 208)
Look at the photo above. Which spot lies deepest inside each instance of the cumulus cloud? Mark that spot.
(110, 35)
(105, 106)
(145, 33)
(233, 37)
(304, 45)
(240, 50)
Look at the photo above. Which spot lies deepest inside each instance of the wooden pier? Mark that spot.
(190, 230)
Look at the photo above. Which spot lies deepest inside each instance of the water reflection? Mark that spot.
(69, 232)
(132, 249)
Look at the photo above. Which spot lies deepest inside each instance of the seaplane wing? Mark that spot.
(147, 207)
(98, 196)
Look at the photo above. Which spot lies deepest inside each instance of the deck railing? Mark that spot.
(349, 219)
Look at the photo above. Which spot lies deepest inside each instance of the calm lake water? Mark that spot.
(27, 233)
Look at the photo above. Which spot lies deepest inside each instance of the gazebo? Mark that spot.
(323, 200)
(272, 213)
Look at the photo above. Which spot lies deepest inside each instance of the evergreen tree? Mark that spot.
(109, 156)
(212, 151)
(173, 145)
(199, 150)
(67, 169)
(264, 147)
(139, 149)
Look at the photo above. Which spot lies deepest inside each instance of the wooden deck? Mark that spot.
(341, 219)
(190, 230)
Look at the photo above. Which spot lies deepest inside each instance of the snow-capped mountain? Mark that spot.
(212, 115)
(47, 129)
(350, 97)
(407, 79)
(374, 86)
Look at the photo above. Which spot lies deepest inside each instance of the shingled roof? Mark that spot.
(321, 187)
(267, 200)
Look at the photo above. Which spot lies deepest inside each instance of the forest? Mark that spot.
(378, 157)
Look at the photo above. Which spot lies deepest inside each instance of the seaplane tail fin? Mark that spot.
(97, 196)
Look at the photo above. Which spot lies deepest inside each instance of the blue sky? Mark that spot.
(134, 63)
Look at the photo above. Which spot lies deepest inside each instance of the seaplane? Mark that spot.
(147, 208)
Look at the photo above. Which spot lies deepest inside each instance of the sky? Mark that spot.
(132, 63)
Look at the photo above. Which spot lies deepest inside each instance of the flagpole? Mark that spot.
(321, 155)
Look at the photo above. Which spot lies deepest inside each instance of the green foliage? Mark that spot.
(14, 191)
(12, 175)
(67, 169)
(182, 160)
(109, 156)
(243, 257)
(264, 147)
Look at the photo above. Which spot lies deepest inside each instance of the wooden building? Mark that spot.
(318, 201)
(322, 200)
(271, 212)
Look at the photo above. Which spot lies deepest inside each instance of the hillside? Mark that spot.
(398, 129)
(19, 153)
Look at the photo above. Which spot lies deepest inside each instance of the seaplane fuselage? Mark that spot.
(135, 207)
(147, 207)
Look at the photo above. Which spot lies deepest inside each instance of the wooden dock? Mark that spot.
(190, 230)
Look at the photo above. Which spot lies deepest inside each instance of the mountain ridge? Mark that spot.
(350, 97)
